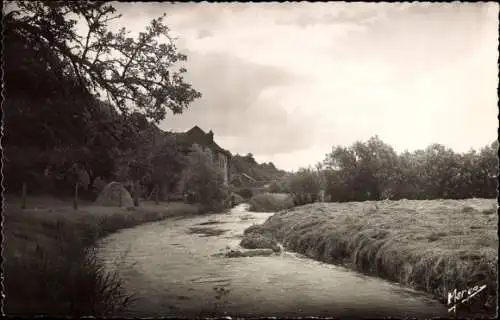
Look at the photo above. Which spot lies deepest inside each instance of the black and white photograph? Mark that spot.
(246, 160)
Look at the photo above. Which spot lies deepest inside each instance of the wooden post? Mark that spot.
(75, 198)
(136, 193)
(23, 196)
(157, 193)
(120, 196)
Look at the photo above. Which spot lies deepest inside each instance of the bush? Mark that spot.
(278, 187)
(305, 186)
(245, 193)
(270, 202)
(205, 181)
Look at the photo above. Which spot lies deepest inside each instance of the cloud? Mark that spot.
(204, 33)
(286, 81)
(241, 104)
(338, 17)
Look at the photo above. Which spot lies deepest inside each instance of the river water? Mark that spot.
(173, 269)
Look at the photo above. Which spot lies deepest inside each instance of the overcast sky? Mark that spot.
(287, 81)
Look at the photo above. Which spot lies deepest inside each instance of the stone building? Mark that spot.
(220, 156)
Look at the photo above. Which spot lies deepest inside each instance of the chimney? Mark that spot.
(211, 135)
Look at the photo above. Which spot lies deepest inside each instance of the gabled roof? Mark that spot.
(198, 136)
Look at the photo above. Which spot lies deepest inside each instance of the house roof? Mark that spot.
(200, 137)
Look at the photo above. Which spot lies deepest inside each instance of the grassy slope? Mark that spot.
(270, 202)
(49, 263)
(434, 246)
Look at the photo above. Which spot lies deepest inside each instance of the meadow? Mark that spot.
(434, 246)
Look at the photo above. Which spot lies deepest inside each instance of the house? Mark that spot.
(221, 157)
(242, 179)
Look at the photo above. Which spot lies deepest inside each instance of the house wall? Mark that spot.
(222, 162)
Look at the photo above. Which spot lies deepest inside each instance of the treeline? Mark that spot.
(372, 170)
(259, 171)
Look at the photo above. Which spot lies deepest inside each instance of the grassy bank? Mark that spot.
(434, 246)
(50, 264)
(270, 202)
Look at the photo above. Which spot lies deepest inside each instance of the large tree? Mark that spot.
(55, 79)
(134, 73)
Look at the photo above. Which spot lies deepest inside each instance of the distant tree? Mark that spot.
(372, 170)
(249, 157)
(487, 168)
(340, 174)
(259, 171)
(304, 185)
(204, 179)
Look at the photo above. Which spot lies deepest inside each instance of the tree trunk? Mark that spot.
(157, 193)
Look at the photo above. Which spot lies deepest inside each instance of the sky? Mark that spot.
(288, 81)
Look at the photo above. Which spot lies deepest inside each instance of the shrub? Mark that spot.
(203, 179)
(278, 187)
(305, 186)
(245, 193)
(270, 202)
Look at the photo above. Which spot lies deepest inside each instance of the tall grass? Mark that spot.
(270, 202)
(50, 263)
(433, 246)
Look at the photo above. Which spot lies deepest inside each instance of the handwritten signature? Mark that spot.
(458, 297)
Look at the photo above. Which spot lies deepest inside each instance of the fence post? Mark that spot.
(23, 196)
(157, 193)
(120, 196)
(136, 193)
(75, 198)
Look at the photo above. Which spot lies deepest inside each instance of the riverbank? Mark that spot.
(49, 262)
(433, 246)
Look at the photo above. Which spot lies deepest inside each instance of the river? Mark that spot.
(173, 268)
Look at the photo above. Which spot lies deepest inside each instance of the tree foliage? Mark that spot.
(156, 159)
(372, 170)
(305, 186)
(130, 71)
(56, 80)
(203, 179)
(259, 171)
